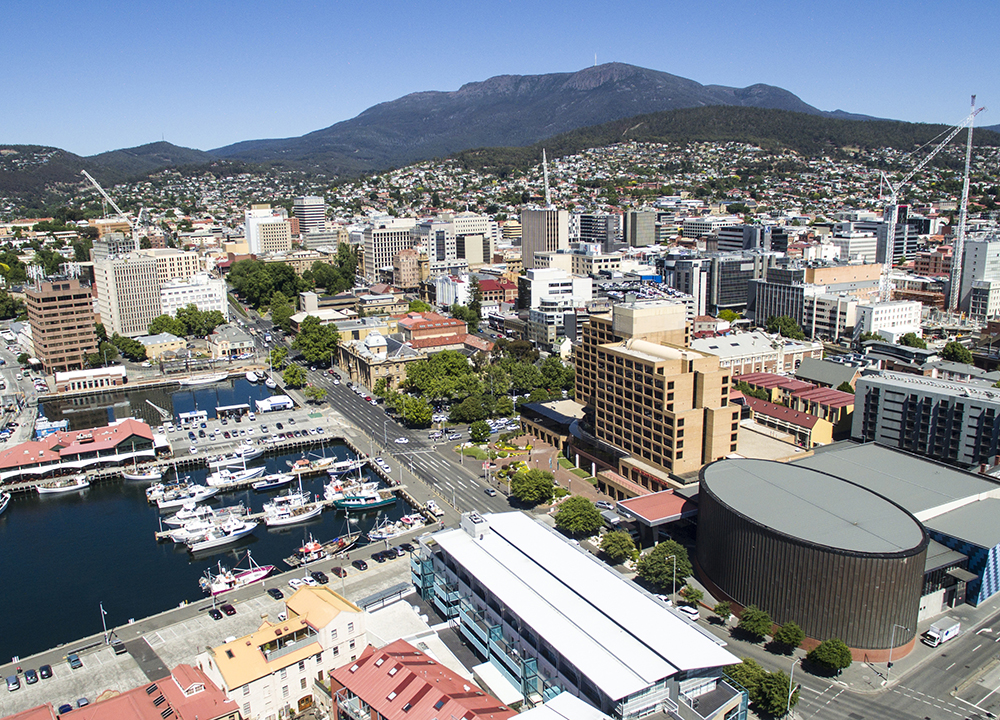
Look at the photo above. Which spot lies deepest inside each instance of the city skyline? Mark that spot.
(208, 75)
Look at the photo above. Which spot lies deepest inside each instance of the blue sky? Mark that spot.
(98, 75)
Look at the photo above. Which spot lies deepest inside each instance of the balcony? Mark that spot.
(351, 707)
(707, 705)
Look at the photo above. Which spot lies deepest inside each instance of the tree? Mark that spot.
(723, 609)
(294, 376)
(467, 315)
(691, 594)
(419, 306)
(748, 675)
(23, 358)
(755, 622)
(102, 334)
(281, 311)
(167, 324)
(785, 326)
(472, 410)
(417, 411)
(618, 546)
(579, 516)
(317, 342)
(789, 635)
(533, 487)
(866, 336)
(278, 356)
(504, 407)
(846, 387)
(657, 566)
(728, 315)
(773, 694)
(913, 340)
(132, 349)
(832, 655)
(314, 393)
(956, 352)
(479, 431)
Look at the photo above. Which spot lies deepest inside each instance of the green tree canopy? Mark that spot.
(728, 315)
(866, 336)
(755, 622)
(723, 609)
(315, 393)
(11, 307)
(294, 376)
(846, 387)
(199, 323)
(317, 342)
(445, 375)
(691, 594)
(789, 635)
(256, 281)
(417, 411)
(479, 431)
(533, 487)
(786, 326)
(132, 349)
(167, 324)
(913, 340)
(956, 352)
(281, 311)
(618, 546)
(473, 409)
(419, 306)
(768, 691)
(832, 655)
(467, 315)
(657, 566)
(579, 516)
(278, 356)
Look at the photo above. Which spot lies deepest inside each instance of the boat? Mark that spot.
(191, 493)
(365, 500)
(313, 551)
(4, 501)
(205, 379)
(342, 467)
(193, 512)
(221, 535)
(191, 531)
(77, 482)
(335, 489)
(271, 385)
(259, 375)
(273, 482)
(292, 515)
(251, 376)
(157, 490)
(227, 477)
(246, 452)
(153, 475)
(226, 580)
(288, 499)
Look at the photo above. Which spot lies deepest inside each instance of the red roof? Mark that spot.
(477, 343)
(826, 396)
(660, 507)
(770, 381)
(489, 286)
(439, 341)
(398, 681)
(780, 412)
(69, 444)
(419, 321)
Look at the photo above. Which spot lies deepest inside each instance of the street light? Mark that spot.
(791, 685)
(892, 642)
(673, 587)
(104, 623)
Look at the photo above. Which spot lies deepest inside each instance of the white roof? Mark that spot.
(564, 706)
(618, 636)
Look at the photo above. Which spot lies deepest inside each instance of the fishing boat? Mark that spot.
(222, 535)
(313, 551)
(4, 501)
(336, 490)
(292, 515)
(273, 482)
(251, 376)
(342, 467)
(77, 482)
(246, 452)
(205, 379)
(193, 512)
(191, 531)
(227, 477)
(289, 499)
(271, 385)
(177, 497)
(226, 580)
(365, 500)
(153, 475)
(157, 490)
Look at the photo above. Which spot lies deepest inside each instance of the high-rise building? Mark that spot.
(603, 228)
(114, 243)
(267, 230)
(542, 229)
(475, 237)
(382, 242)
(904, 245)
(311, 212)
(406, 269)
(202, 290)
(980, 264)
(639, 228)
(61, 315)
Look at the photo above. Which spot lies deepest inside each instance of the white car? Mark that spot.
(295, 583)
(402, 440)
(690, 611)
(193, 450)
(309, 581)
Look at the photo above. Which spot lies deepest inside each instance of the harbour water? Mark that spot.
(61, 556)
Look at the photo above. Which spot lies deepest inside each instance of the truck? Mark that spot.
(942, 631)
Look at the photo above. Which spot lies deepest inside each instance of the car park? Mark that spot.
(339, 571)
(30, 676)
(74, 661)
(275, 593)
(360, 565)
(45, 672)
(214, 613)
(228, 609)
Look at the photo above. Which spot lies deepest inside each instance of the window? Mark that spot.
(284, 691)
(333, 634)
(350, 627)
(284, 673)
(246, 690)
(302, 683)
(246, 709)
(336, 650)
(302, 665)
(351, 645)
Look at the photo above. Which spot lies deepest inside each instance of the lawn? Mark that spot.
(475, 452)
(565, 464)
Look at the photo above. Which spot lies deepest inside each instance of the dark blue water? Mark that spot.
(61, 556)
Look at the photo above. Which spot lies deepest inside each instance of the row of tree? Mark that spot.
(189, 322)
(257, 281)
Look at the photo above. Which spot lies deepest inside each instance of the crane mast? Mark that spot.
(890, 213)
(108, 198)
(958, 248)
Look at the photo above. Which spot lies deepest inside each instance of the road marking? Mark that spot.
(950, 666)
(977, 647)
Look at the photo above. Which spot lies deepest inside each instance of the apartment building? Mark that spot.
(406, 269)
(382, 243)
(891, 320)
(708, 225)
(311, 213)
(757, 351)
(271, 673)
(639, 228)
(542, 229)
(980, 269)
(933, 262)
(554, 284)
(61, 316)
(267, 231)
(128, 293)
(205, 292)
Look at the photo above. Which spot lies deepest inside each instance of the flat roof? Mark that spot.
(974, 523)
(614, 633)
(659, 508)
(922, 486)
(812, 506)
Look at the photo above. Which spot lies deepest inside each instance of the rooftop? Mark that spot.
(773, 380)
(829, 397)
(818, 508)
(974, 523)
(780, 412)
(658, 508)
(823, 372)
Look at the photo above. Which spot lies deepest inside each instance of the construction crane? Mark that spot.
(891, 211)
(958, 247)
(108, 198)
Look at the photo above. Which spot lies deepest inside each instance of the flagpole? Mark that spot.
(104, 623)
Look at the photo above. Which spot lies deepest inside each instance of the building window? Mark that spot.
(302, 665)
(350, 627)
(284, 691)
(246, 709)
(336, 650)
(284, 673)
(246, 690)
(351, 645)
(302, 684)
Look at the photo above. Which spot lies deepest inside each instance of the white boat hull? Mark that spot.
(293, 517)
(200, 493)
(222, 537)
(51, 489)
(205, 379)
(144, 477)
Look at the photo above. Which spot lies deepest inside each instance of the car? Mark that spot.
(319, 431)
(275, 593)
(82, 702)
(228, 609)
(398, 550)
(402, 440)
(45, 672)
(320, 576)
(204, 425)
(604, 505)
(690, 611)
(378, 557)
(308, 580)
(312, 368)
(119, 647)
(360, 565)
(65, 708)
(191, 435)
(193, 450)
(295, 583)
(338, 571)
(492, 492)
(30, 676)
(214, 613)
(201, 433)
(225, 434)
(291, 421)
(13, 683)
(336, 381)
(263, 429)
(74, 661)
(225, 421)
(279, 426)
(454, 436)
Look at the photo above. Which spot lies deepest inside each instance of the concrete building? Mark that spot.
(452, 289)
(475, 237)
(891, 320)
(156, 345)
(406, 269)
(205, 292)
(430, 331)
(696, 227)
(953, 422)
(547, 322)
(934, 262)
(550, 618)
(382, 242)
(717, 281)
(61, 316)
(229, 341)
(904, 244)
(267, 231)
(128, 293)
(551, 284)
(376, 357)
(115, 243)
(311, 213)
(639, 228)
(603, 229)
(542, 229)
(980, 264)
(270, 673)
(757, 351)
(437, 237)
(855, 246)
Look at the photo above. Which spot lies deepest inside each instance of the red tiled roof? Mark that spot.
(780, 412)
(398, 681)
(66, 444)
(770, 381)
(477, 343)
(660, 506)
(418, 321)
(826, 396)
(489, 286)
(440, 341)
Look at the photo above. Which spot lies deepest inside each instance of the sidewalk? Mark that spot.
(546, 458)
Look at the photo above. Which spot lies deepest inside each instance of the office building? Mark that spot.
(552, 284)
(735, 238)
(205, 292)
(406, 269)
(542, 229)
(547, 322)
(639, 228)
(311, 213)
(904, 244)
(891, 320)
(270, 672)
(128, 293)
(603, 229)
(376, 357)
(382, 242)
(697, 227)
(934, 262)
(855, 246)
(267, 231)
(475, 237)
(980, 264)
(115, 243)
(757, 351)
(551, 618)
(61, 316)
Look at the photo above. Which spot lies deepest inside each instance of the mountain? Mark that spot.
(994, 128)
(145, 159)
(506, 110)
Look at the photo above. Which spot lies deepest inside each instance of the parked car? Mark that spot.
(320, 576)
(228, 609)
(45, 672)
(275, 593)
(604, 505)
(30, 676)
(13, 683)
(407, 547)
(295, 583)
(339, 571)
(360, 565)
(65, 708)
(214, 613)
(690, 611)
(74, 661)
(378, 557)
(82, 702)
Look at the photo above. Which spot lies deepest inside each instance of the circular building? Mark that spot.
(807, 547)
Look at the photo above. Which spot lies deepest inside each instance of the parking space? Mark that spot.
(220, 435)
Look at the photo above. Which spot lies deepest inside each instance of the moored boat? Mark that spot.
(204, 379)
(226, 580)
(4, 501)
(251, 376)
(246, 452)
(153, 475)
(273, 482)
(365, 500)
(292, 515)
(271, 385)
(77, 482)
(193, 512)
(227, 477)
(221, 535)
(313, 551)
(176, 498)
(342, 467)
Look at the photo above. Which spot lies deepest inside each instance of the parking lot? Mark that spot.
(217, 435)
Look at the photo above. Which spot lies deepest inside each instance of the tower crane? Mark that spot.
(891, 210)
(108, 198)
